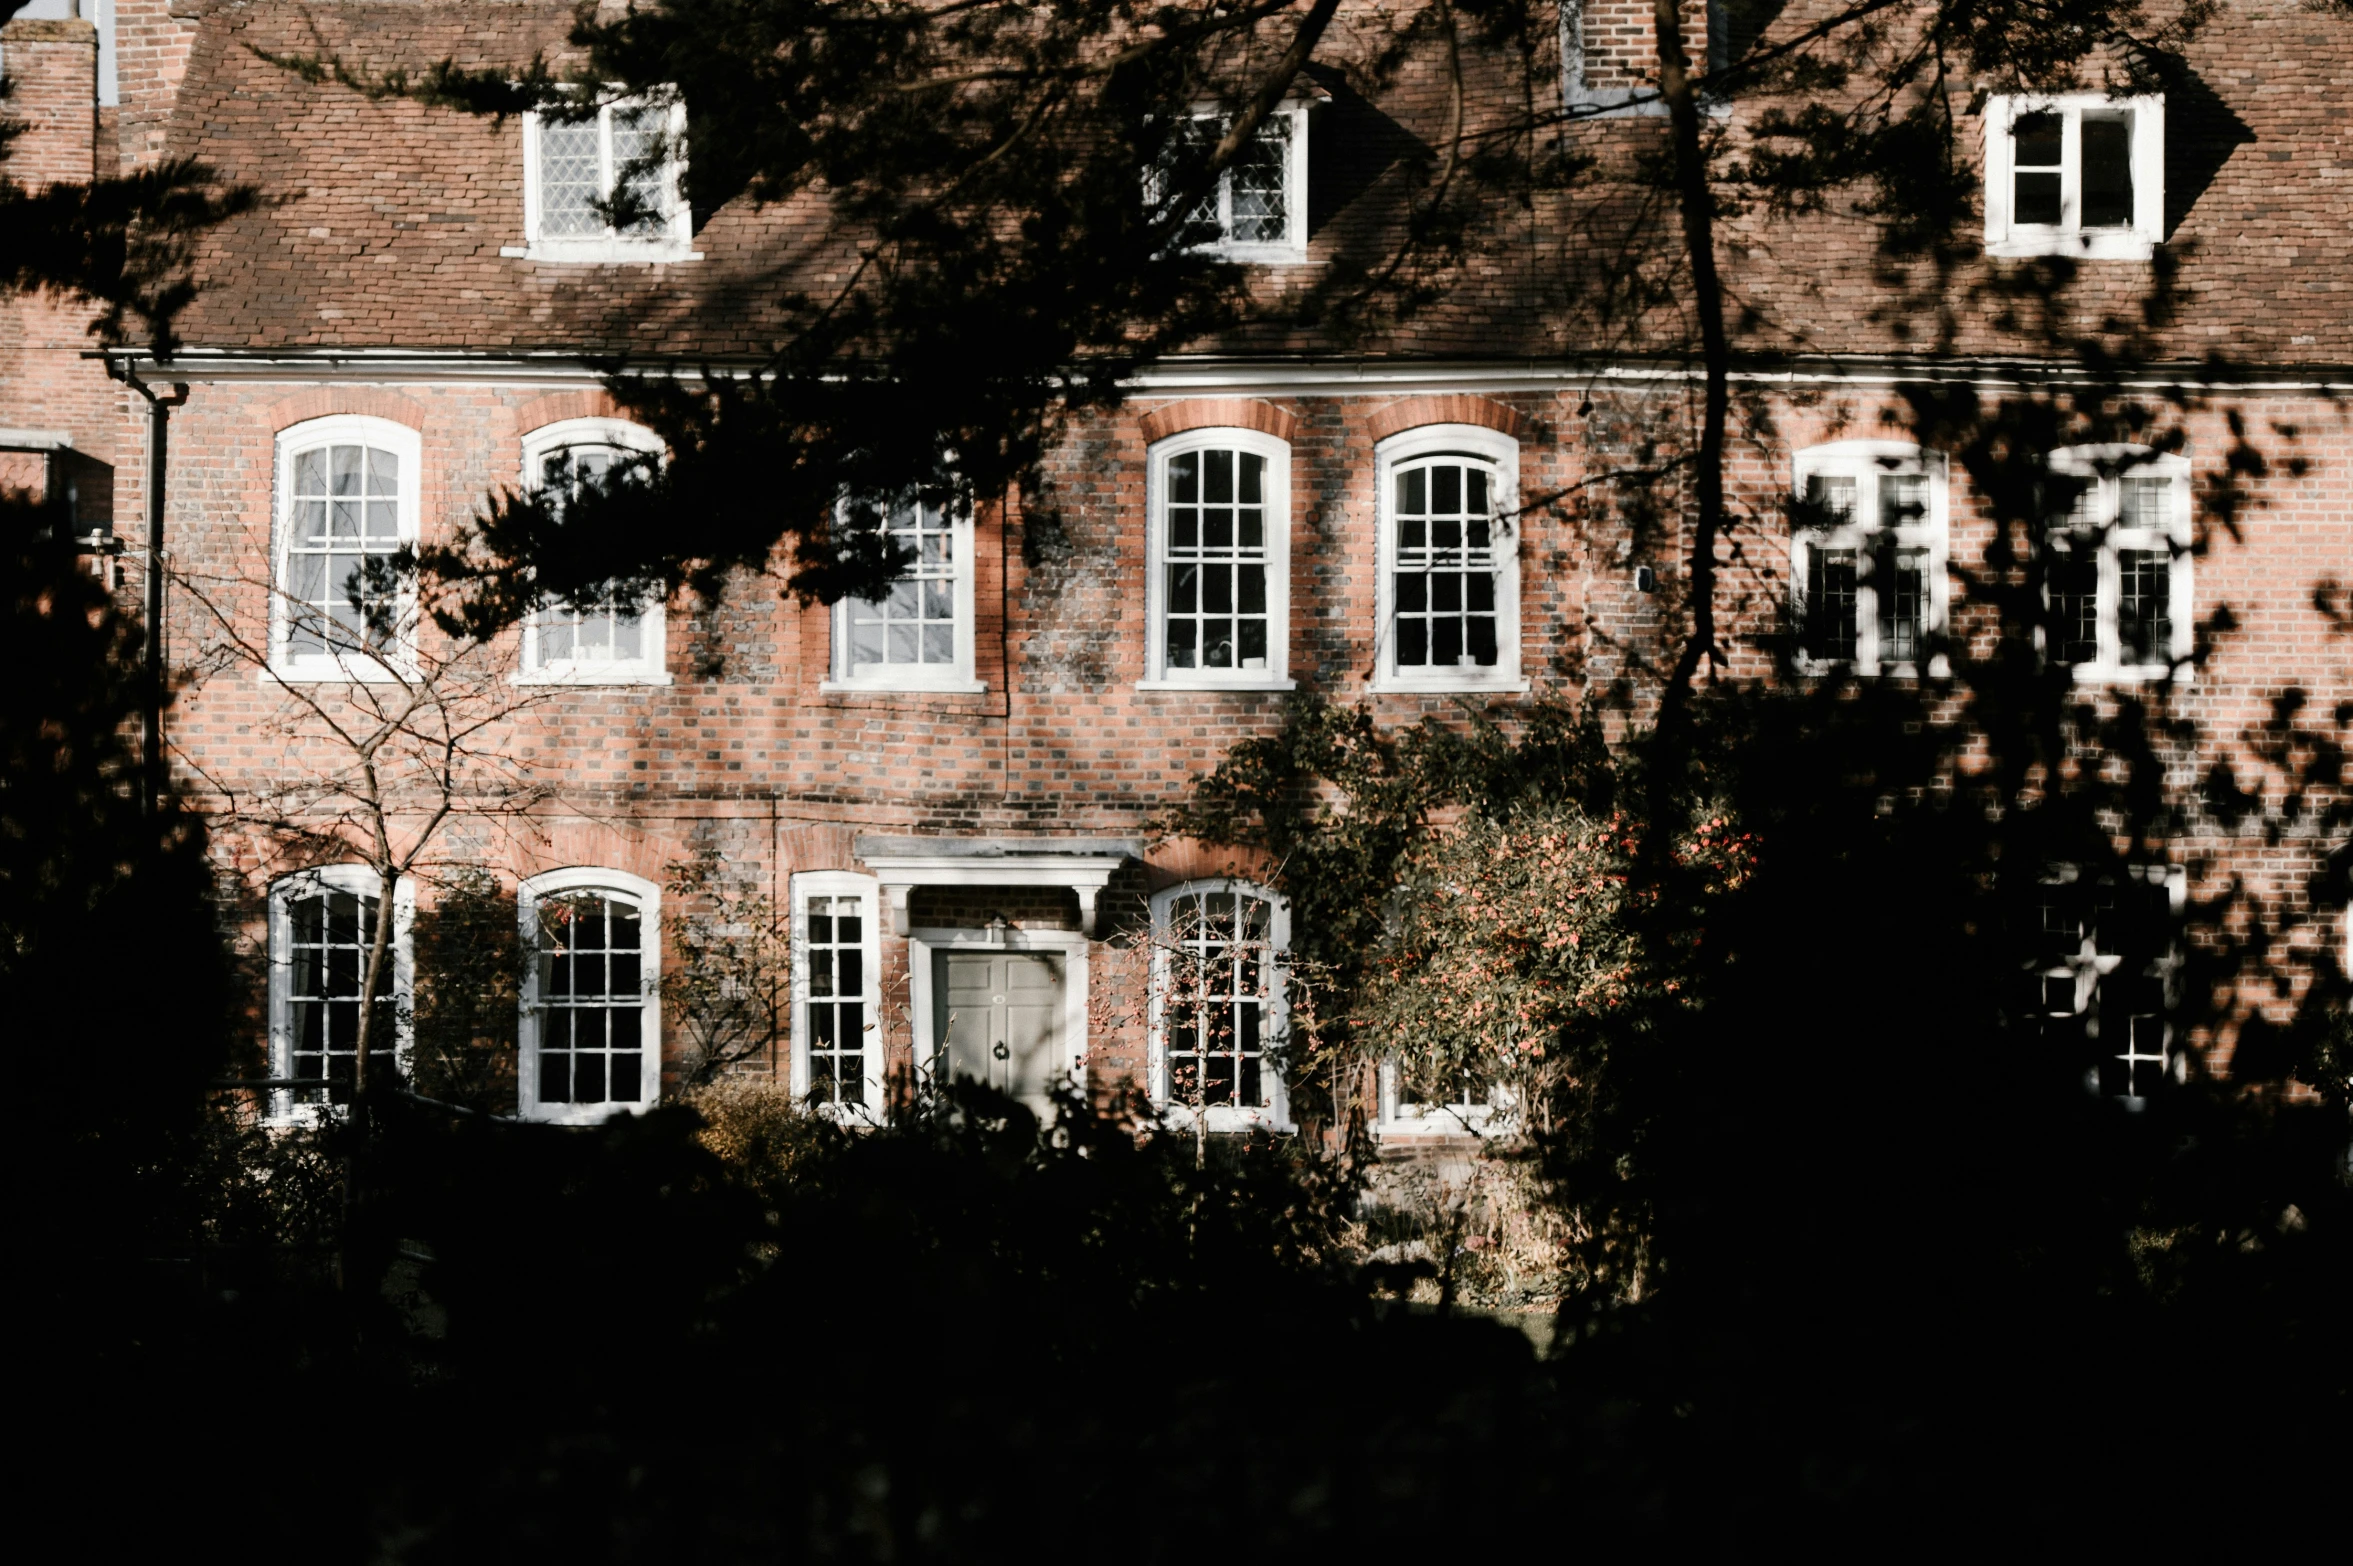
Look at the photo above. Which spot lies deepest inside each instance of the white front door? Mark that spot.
(998, 1015)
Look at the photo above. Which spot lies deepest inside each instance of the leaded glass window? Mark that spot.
(582, 164)
(1258, 204)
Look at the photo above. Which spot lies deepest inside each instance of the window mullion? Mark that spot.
(2071, 169)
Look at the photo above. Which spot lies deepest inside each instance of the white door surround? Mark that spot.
(1070, 945)
(1084, 864)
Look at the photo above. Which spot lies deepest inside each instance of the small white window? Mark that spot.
(1867, 557)
(571, 169)
(1219, 1015)
(347, 495)
(322, 926)
(918, 635)
(2117, 576)
(1470, 1107)
(615, 642)
(1259, 209)
(837, 1011)
(2080, 175)
(1218, 587)
(1448, 591)
(592, 1015)
(2104, 976)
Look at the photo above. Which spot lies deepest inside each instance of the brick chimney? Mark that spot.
(53, 76)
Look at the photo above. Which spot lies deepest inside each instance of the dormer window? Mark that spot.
(1259, 209)
(2082, 175)
(577, 172)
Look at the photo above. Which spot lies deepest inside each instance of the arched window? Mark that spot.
(347, 495)
(1218, 591)
(592, 1018)
(2117, 571)
(322, 927)
(1219, 1016)
(1449, 585)
(616, 640)
(1867, 557)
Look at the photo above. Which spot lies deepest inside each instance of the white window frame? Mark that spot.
(2004, 236)
(1293, 251)
(1276, 676)
(648, 897)
(1502, 453)
(958, 676)
(1496, 1117)
(1867, 462)
(2087, 966)
(360, 880)
(1275, 1114)
(651, 667)
(839, 883)
(311, 434)
(2106, 467)
(675, 239)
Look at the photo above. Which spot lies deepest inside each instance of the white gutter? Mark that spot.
(1180, 376)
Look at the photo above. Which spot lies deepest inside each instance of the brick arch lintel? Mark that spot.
(1198, 413)
(320, 401)
(1451, 408)
(554, 407)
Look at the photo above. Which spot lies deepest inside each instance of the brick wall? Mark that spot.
(746, 751)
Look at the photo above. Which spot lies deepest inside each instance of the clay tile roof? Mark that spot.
(386, 219)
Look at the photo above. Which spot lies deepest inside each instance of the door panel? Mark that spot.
(1000, 1017)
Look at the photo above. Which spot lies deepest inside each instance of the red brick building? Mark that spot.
(952, 790)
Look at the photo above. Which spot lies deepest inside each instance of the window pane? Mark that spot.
(2035, 143)
(2075, 605)
(1902, 588)
(1831, 600)
(570, 180)
(1257, 181)
(2147, 502)
(2107, 171)
(2144, 620)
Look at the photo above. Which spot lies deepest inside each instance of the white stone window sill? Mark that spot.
(1451, 1127)
(580, 1114)
(591, 677)
(1180, 1118)
(1268, 684)
(2133, 673)
(2098, 245)
(607, 252)
(1938, 669)
(1258, 255)
(1393, 685)
(902, 687)
(330, 673)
